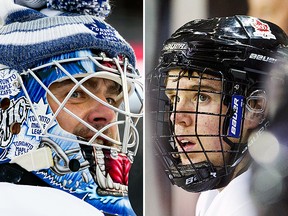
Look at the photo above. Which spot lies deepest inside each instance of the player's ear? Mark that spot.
(256, 109)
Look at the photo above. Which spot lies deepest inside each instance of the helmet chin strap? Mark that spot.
(35, 159)
(42, 158)
(204, 176)
(196, 178)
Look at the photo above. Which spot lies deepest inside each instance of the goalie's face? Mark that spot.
(197, 117)
(91, 111)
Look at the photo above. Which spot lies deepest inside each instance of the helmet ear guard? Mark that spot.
(256, 105)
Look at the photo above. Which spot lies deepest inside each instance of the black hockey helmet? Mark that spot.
(239, 51)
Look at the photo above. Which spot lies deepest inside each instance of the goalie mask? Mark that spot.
(69, 108)
(209, 97)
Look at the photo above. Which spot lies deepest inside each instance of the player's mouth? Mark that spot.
(186, 145)
(101, 141)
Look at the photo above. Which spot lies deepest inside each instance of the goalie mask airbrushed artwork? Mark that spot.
(71, 122)
(69, 107)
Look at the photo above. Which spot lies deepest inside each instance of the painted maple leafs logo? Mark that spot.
(21, 145)
(8, 83)
(37, 125)
(104, 31)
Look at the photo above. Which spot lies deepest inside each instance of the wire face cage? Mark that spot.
(76, 117)
(194, 120)
(124, 78)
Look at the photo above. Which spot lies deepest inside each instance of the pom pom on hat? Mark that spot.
(28, 37)
(99, 8)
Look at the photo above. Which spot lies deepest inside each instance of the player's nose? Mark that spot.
(99, 114)
(183, 113)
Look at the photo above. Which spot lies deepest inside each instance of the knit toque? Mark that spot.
(28, 36)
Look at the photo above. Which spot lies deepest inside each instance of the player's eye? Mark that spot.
(75, 94)
(174, 99)
(111, 101)
(203, 97)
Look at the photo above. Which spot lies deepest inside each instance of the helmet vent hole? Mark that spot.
(15, 128)
(5, 103)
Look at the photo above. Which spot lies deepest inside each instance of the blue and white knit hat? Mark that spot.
(28, 36)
